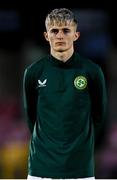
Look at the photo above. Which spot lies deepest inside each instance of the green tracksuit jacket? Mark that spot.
(65, 104)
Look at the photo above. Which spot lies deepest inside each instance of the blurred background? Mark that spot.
(21, 43)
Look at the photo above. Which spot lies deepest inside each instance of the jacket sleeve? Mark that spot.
(99, 104)
(29, 99)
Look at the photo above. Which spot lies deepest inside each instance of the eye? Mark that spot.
(66, 30)
(54, 31)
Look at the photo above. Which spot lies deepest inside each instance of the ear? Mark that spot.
(46, 36)
(77, 35)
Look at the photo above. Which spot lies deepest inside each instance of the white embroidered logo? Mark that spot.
(42, 84)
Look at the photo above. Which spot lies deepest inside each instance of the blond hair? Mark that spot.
(60, 16)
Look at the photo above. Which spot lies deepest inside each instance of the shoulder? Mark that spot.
(38, 64)
(36, 67)
(89, 64)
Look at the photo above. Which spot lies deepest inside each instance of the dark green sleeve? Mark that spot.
(99, 104)
(29, 98)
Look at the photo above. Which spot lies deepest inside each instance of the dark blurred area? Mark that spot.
(21, 43)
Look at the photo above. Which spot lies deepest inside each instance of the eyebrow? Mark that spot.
(57, 29)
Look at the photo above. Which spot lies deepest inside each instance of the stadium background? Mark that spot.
(21, 42)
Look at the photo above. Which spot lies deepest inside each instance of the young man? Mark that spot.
(65, 101)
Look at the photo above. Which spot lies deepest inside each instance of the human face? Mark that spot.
(61, 37)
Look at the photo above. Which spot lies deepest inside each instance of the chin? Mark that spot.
(60, 49)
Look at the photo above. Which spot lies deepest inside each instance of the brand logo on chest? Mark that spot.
(42, 83)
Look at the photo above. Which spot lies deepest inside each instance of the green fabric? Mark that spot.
(66, 107)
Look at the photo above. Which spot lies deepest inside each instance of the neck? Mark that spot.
(62, 56)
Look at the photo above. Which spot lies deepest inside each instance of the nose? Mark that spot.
(60, 34)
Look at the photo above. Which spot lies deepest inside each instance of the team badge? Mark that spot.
(80, 82)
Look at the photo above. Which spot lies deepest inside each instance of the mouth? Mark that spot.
(60, 43)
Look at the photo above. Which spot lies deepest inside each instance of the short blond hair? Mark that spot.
(60, 16)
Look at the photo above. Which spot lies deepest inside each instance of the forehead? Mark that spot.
(60, 25)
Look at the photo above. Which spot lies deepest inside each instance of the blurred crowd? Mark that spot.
(14, 137)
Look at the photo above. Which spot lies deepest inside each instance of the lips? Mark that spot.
(60, 43)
